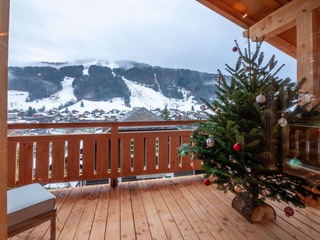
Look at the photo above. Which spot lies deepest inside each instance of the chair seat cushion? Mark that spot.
(27, 202)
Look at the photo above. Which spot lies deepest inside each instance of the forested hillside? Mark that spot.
(99, 83)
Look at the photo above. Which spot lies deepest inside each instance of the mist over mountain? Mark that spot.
(97, 80)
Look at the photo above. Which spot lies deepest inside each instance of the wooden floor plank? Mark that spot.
(155, 225)
(100, 218)
(201, 230)
(179, 217)
(127, 223)
(113, 216)
(174, 208)
(295, 227)
(241, 224)
(217, 231)
(72, 221)
(168, 223)
(301, 219)
(86, 220)
(23, 235)
(252, 231)
(139, 214)
(213, 206)
(71, 194)
(283, 228)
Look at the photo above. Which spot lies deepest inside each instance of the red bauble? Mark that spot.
(206, 182)
(234, 49)
(288, 211)
(237, 147)
(316, 132)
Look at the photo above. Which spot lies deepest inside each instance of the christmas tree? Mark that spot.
(240, 144)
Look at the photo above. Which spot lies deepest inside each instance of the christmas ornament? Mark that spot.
(294, 163)
(316, 132)
(218, 111)
(210, 142)
(248, 170)
(282, 122)
(237, 147)
(260, 99)
(234, 49)
(184, 153)
(238, 188)
(247, 69)
(203, 107)
(288, 211)
(206, 182)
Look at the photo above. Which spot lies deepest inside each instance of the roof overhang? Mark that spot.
(273, 20)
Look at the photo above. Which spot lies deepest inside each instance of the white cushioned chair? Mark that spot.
(29, 206)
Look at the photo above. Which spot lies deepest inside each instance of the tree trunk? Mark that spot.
(254, 210)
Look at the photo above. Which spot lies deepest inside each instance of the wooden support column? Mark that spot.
(308, 51)
(4, 32)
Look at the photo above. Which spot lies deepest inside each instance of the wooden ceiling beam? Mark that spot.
(228, 12)
(281, 20)
(283, 46)
(282, 2)
(272, 4)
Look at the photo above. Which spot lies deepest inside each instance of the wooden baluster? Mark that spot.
(151, 157)
(88, 157)
(125, 154)
(42, 162)
(25, 163)
(102, 157)
(12, 163)
(58, 161)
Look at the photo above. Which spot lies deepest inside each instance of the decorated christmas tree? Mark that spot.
(240, 144)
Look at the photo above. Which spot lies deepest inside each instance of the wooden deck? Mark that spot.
(170, 208)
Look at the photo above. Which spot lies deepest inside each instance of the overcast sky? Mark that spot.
(166, 33)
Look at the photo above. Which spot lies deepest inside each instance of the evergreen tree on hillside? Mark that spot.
(165, 114)
(240, 144)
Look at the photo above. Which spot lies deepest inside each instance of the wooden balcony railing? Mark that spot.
(48, 158)
(113, 153)
(303, 142)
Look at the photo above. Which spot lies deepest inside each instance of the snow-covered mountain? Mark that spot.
(142, 80)
(141, 96)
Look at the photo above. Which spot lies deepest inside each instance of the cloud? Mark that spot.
(167, 33)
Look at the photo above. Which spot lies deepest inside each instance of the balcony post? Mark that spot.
(114, 156)
(308, 52)
(4, 32)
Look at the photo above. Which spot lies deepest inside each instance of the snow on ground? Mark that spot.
(17, 100)
(141, 96)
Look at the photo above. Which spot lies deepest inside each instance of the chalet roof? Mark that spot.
(143, 114)
(140, 114)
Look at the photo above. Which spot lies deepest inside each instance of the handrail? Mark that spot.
(98, 124)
